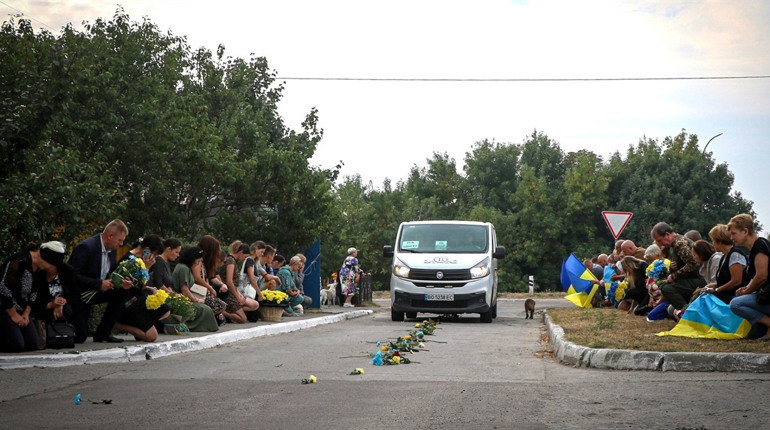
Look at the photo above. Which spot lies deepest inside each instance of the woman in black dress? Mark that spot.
(136, 319)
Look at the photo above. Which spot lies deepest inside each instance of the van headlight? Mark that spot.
(480, 270)
(400, 269)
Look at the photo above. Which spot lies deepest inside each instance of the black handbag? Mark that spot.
(60, 334)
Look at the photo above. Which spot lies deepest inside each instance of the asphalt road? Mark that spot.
(470, 376)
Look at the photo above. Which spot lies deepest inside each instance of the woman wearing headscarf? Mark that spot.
(24, 275)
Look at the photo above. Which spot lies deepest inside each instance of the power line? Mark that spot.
(680, 78)
(28, 16)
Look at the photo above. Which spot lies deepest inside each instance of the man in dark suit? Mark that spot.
(93, 259)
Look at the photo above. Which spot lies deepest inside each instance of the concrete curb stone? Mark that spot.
(150, 351)
(624, 359)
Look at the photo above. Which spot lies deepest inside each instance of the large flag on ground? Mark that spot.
(576, 280)
(709, 317)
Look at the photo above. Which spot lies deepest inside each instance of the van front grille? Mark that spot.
(446, 275)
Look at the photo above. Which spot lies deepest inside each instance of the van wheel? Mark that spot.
(494, 311)
(411, 314)
(486, 317)
(396, 316)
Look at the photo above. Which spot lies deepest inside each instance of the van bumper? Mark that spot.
(462, 303)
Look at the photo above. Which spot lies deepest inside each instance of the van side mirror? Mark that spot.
(499, 252)
(387, 251)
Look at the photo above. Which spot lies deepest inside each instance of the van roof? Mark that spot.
(457, 222)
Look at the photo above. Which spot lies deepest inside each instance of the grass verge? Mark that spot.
(612, 329)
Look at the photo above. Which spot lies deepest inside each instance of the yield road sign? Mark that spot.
(617, 221)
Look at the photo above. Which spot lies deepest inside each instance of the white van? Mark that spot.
(444, 267)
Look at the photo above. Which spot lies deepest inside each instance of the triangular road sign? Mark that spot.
(617, 221)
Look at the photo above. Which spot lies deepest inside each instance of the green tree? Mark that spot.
(437, 187)
(585, 188)
(539, 229)
(124, 120)
(492, 174)
(672, 181)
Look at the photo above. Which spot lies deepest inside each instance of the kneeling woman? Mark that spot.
(636, 293)
(23, 275)
(137, 319)
(191, 259)
(748, 303)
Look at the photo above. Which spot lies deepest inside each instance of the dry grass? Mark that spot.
(613, 329)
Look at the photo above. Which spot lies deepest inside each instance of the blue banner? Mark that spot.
(312, 282)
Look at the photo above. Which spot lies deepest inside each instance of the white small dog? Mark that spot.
(329, 295)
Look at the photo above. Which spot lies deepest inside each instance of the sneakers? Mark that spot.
(642, 310)
(348, 305)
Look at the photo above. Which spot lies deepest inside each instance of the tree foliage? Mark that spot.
(122, 120)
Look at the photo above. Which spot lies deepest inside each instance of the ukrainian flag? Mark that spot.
(709, 317)
(576, 280)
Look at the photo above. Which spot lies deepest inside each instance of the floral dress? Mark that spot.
(348, 275)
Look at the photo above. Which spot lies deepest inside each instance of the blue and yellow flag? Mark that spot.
(576, 280)
(709, 317)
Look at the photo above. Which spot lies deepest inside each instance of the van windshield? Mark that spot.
(444, 238)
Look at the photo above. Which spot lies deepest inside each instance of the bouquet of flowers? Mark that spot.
(656, 277)
(427, 327)
(620, 291)
(154, 301)
(132, 268)
(181, 305)
(274, 297)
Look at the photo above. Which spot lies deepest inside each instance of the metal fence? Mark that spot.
(364, 290)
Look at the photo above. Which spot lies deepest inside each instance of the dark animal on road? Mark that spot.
(529, 309)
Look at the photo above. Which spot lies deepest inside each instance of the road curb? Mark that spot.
(624, 359)
(153, 351)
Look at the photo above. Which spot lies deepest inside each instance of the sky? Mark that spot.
(382, 129)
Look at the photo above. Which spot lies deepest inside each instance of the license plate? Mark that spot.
(439, 297)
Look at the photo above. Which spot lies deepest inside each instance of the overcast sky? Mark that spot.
(381, 129)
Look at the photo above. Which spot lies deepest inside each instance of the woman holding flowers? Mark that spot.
(189, 260)
(145, 304)
(636, 276)
(657, 271)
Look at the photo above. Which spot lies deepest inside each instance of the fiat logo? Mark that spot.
(439, 275)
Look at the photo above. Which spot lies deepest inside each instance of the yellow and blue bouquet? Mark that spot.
(132, 268)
